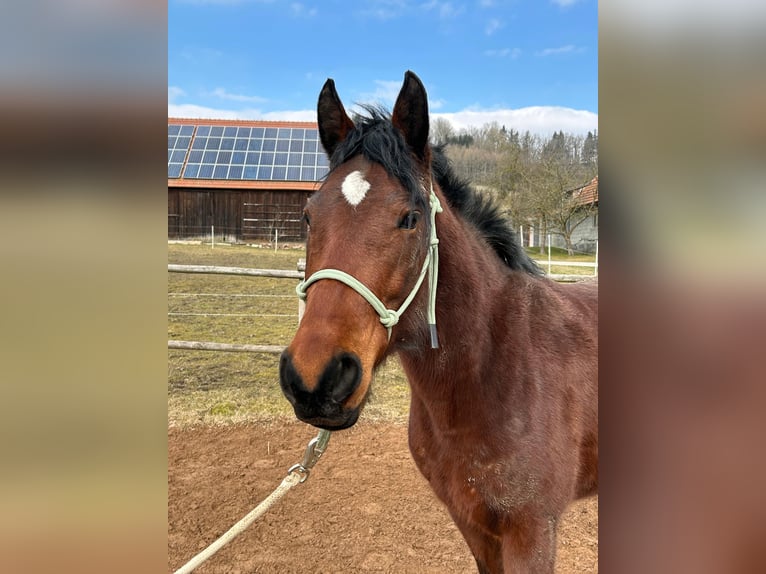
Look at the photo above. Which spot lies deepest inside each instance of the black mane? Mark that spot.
(376, 138)
(483, 213)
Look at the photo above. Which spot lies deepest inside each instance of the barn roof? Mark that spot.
(588, 193)
(244, 154)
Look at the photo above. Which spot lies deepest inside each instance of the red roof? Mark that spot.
(587, 194)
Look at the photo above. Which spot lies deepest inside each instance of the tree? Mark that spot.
(442, 131)
(568, 213)
(532, 177)
(559, 172)
(590, 151)
(472, 163)
(534, 180)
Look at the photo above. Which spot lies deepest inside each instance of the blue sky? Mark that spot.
(527, 64)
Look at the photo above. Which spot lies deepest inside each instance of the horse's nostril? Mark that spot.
(343, 377)
(288, 377)
(340, 379)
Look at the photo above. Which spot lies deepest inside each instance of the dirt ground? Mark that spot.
(365, 507)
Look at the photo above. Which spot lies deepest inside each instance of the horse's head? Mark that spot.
(367, 254)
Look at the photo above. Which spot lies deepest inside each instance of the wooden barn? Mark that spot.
(241, 180)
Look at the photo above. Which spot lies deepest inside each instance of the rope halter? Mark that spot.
(389, 317)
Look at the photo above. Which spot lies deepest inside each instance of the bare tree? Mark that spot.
(534, 180)
(560, 171)
(474, 164)
(442, 131)
(569, 213)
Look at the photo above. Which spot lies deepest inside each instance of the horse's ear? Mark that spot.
(334, 123)
(411, 114)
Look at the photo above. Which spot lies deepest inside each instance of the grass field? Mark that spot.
(207, 387)
(558, 254)
(214, 387)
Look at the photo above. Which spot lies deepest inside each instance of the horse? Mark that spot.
(501, 360)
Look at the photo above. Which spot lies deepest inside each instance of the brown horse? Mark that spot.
(502, 362)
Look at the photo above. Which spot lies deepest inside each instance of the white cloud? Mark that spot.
(195, 111)
(201, 55)
(212, 2)
(174, 92)
(568, 49)
(291, 116)
(300, 10)
(445, 10)
(225, 95)
(448, 10)
(384, 9)
(205, 112)
(385, 92)
(512, 53)
(435, 104)
(493, 26)
(390, 9)
(543, 120)
(222, 2)
(564, 3)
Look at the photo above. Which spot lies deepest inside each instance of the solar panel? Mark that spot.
(179, 138)
(243, 153)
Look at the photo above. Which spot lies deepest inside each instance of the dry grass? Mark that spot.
(215, 387)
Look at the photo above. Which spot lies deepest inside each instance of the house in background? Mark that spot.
(585, 235)
(583, 228)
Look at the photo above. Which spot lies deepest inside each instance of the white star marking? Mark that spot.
(355, 187)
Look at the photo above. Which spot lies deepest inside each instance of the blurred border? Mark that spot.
(83, 250)
(83, 244)
(682, 310)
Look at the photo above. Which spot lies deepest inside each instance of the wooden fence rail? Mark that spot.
(242, 271)
(282, 274)
(206, 346)
(214, 270)
(566, 263)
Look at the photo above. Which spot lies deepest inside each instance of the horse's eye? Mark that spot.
(307, 219)
(409, 220)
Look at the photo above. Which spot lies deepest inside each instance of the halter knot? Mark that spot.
(390, 318)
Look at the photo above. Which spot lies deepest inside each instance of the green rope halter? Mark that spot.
(389, 317)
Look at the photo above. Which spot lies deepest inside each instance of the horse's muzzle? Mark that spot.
(321, 404)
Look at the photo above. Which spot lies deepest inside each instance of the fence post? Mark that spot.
(212, 236)
(549, 254)
(301, 302)
(595, 269)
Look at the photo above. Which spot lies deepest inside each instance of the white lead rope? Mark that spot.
(289, 481)
(296, 475)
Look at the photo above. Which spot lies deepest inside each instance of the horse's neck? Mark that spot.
(472, 282)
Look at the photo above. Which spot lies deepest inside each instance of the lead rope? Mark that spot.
(297, 474)
(433, 270)
(389, 317)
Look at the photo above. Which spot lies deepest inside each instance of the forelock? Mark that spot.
(378, 141)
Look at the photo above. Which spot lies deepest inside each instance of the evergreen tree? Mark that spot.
(590, 150)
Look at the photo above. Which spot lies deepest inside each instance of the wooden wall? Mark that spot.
(238, 215)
